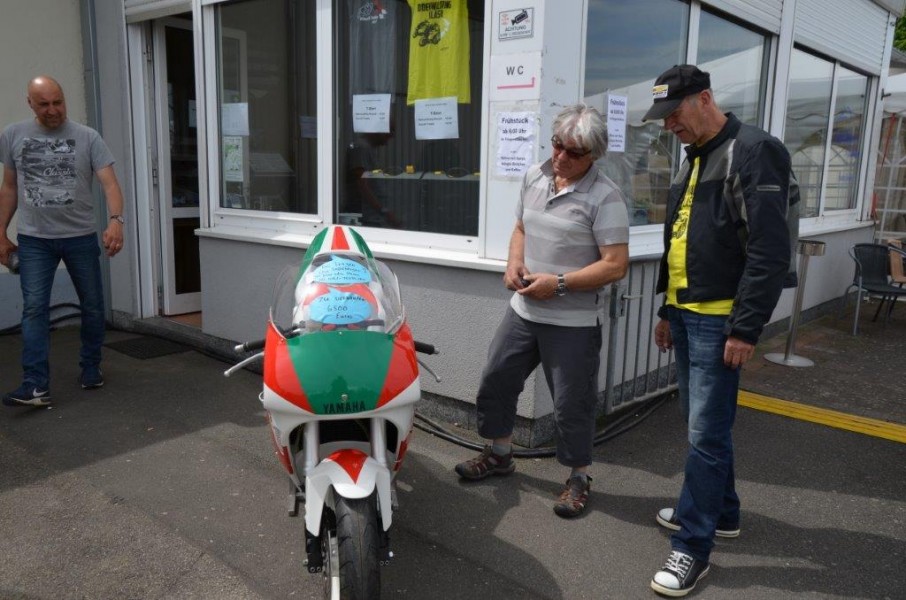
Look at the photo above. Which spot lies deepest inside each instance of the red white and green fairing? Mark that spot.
(338, 348)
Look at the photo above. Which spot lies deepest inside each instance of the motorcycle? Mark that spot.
(341, 380)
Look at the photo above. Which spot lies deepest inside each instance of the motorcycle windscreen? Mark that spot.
(337, 291)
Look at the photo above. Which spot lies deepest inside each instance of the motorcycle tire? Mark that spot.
(352, 557)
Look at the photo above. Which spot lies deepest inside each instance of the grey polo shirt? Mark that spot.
(563, 233)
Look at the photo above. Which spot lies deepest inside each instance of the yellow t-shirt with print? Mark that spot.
(676, 257)
(439, 50)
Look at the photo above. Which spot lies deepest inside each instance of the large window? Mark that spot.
(267, 93)
(824, 131)
(408, 112)
(629, 45)
(735, 57)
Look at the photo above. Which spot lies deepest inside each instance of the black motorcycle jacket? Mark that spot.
(741, 162)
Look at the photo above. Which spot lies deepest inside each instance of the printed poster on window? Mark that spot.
(234, 118)
(371, 113)
(436, 119)
(232, 158)
(616, 123)
(515, 143)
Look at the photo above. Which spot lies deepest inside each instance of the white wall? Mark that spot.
(38, 37)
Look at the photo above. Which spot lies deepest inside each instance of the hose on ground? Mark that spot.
(621, 425)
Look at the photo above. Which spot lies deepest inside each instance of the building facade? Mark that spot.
(243, 127)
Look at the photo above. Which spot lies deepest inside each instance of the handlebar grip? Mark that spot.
(250, 346)
(425, 348)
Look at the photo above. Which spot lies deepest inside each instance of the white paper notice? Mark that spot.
(436, 119)
(616, 123)
(515, 143)
(235, 119)
(233, 169)
(371, 113)
(308, 127)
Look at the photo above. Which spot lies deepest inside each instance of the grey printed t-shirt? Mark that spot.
(54, 169)
(563, 233)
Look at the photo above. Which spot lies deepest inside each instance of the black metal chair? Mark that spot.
(872, 276)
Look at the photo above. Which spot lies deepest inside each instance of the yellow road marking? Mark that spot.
(823, 416)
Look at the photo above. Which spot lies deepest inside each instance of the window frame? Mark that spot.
(288, 227)
(840, 217)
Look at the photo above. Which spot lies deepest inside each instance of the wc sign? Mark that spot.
(515, 24)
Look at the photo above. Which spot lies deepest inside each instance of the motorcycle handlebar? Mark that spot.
(256, 345)
(425, 348)
(250, 346)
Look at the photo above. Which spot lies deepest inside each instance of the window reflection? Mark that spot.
(629, 44)
(734, 56)
(807, 117)
(267, 105)
(393, 59)
(846, 140)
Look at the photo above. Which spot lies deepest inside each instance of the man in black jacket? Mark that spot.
(718, 295)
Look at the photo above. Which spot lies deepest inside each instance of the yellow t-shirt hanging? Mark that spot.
(439, 51)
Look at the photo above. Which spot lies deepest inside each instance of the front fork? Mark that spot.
(311, 442)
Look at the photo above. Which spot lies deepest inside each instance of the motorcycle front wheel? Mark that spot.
(350, 540)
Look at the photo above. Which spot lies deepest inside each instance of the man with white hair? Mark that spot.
(571, 239)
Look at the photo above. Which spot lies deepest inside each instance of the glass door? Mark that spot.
(177, 137)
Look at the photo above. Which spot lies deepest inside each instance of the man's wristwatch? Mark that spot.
(561, 285)
(118, 218)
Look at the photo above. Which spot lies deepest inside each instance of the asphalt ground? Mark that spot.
(163, 485)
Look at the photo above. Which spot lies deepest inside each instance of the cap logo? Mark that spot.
(660, 91)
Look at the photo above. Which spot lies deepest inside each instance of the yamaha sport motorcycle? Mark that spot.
(341, 381)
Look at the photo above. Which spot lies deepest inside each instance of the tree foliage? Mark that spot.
(899, 35)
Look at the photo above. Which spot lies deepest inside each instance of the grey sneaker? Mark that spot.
(679, 575)
(486, 463)
(27, 395)
(666, 517)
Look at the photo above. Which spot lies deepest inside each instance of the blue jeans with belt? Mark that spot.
(707, 391)
(38, 262)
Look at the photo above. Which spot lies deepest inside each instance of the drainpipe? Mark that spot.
(91, 79)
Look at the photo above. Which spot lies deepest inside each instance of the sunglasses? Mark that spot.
(570, 152)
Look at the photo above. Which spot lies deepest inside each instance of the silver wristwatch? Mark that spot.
(561, 285)
(118, 218)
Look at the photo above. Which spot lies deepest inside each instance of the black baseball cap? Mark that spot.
(672, 86)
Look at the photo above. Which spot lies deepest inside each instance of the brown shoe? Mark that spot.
(573, 498)
(486, 463)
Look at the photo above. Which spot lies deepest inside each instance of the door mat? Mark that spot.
(147, 347)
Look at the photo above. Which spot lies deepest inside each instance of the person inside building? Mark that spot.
(570, 240)
(48, 162)
(718, 295)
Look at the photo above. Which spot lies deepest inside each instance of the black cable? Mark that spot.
(618, 427)
(13, 329)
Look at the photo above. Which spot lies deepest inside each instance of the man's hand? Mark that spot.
(113, 238)
(6, 247)
(514, 276)
(737, 352)
(540, 286)
(662, 337)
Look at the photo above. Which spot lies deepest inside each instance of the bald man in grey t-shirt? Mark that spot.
(571, 239)
(48, 163)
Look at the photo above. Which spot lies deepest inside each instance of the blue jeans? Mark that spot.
(707, 391)
(38, 261)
